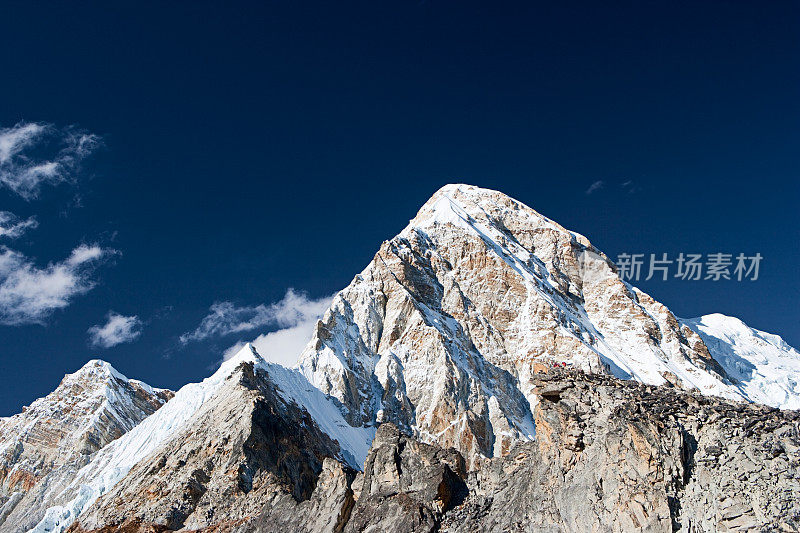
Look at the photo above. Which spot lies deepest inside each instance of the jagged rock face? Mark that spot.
(326, 511)
(406, 485)
(618, 456)
(57, 434)
(243, 448)
(442, 333)
(610, 456)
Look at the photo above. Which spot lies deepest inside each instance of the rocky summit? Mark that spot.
(488, 370)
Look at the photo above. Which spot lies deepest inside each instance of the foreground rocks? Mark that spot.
(609, 455)
(618, 456)
(407, 485)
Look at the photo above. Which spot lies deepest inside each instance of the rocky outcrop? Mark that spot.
(620, 456)
(328, 509)
(406, 485)
(610, 456)
(42, 447)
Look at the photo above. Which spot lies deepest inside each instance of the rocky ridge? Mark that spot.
(224, 423)
(621, 456)
(244, 447)
(609, 456)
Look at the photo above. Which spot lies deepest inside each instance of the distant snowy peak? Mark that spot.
(764, 366)
(95, 397)
(96, 391)
(104, 373)
(89, 409)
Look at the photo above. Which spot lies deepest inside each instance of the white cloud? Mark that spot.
(599, 184)
(58, 154)
(11, 226)
(225, 318)
(282, 346)
(28, 294)
(32, 155)
(117, 330)
(295, 315)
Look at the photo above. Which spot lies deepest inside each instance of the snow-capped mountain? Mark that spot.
(444, 330)
(57, 434)
(451, 333)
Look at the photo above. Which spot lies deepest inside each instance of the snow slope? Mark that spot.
(294, 387)
(766, 368)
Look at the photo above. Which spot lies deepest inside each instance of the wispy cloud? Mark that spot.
(33, 154)
(11, 226)
(599, 184)
(117, 330)
(29, 294)
(630, 187)
(225, 318)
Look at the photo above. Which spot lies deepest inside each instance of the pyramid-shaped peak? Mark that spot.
(246, 354)
(462, 192)
(99, 368)
(464, 205)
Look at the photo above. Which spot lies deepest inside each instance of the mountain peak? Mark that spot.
(478, 209)
(246, 354)
(56, 434)
(98, 367)
(468, 330)
(467, 189)
(444, 332)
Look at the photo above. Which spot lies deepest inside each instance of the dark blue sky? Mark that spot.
(253, 147)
